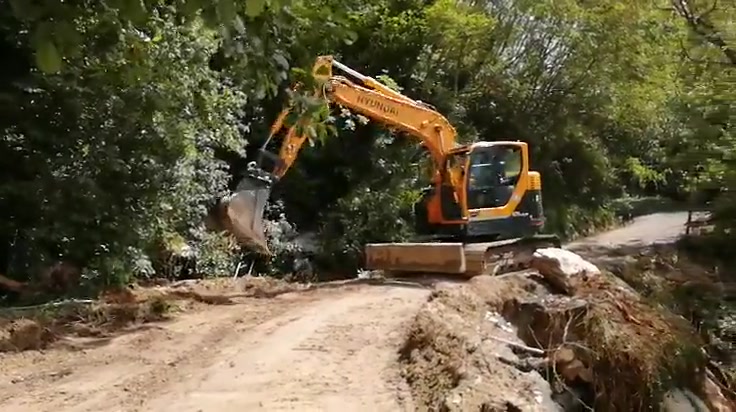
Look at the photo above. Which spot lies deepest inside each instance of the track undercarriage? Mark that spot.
(466, 259)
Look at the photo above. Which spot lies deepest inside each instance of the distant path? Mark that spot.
(644, 230)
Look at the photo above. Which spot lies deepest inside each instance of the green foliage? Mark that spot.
(378, 209)
(125, 152)
(124, 120)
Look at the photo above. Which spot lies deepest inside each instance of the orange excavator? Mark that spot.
(482, 212)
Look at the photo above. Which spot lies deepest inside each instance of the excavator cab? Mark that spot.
(493, 174)
(486, 191)
(503, 196)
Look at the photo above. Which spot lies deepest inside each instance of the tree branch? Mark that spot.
(704, 28)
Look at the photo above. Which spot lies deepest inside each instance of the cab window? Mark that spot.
(497, 166)
(511, 158)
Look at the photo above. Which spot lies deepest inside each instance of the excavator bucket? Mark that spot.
(245, 212)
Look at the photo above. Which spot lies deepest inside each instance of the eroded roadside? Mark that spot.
(528, 342)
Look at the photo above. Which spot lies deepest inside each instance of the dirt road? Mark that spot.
(648, 229)
(321, 350)
(308, 351)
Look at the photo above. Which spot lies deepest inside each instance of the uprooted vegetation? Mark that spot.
(568, 342)
(676, 278)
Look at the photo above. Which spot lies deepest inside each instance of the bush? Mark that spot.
(124, 152)
(362, 217)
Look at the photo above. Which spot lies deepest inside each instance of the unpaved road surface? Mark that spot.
(308, 351)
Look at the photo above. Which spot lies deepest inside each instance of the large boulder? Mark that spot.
(563, 268)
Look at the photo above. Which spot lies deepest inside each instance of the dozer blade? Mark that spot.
(416, 257)
(245, 212)
(504, 256)
(468, 260)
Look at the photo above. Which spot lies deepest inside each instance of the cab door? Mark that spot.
(497, 177)
(451, 188)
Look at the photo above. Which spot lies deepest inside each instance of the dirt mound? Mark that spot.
(453, 359)
(24, 334)
(117, 310)
(40, 327)
(226, 290)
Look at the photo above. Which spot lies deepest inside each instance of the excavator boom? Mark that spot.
(362, 94)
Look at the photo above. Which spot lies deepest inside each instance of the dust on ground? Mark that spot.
(268, 345)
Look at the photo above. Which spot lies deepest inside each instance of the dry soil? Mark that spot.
(331, 349)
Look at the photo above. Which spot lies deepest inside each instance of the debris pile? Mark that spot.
(23, 334)
(593, 340)
(456, 358)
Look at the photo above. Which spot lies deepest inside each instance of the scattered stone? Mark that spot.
(683, 400)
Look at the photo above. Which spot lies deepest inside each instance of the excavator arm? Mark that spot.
(364, 95)
(371, 98)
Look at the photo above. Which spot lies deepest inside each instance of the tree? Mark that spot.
(132, 117)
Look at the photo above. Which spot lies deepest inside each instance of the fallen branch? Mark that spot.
(10, 284)
(519, 345)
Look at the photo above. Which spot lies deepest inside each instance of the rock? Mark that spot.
(543, 319)
(679, 400)
(569, 367)
(563, 268)
(563, 356)
(576, 369)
